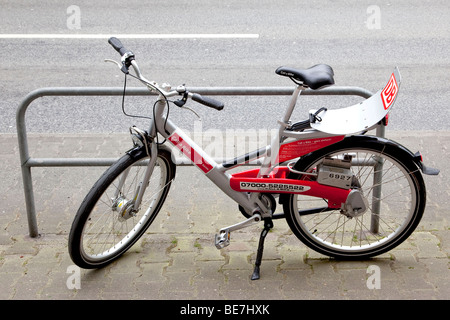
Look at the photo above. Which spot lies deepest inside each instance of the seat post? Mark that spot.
(290, 107)
(272, 155)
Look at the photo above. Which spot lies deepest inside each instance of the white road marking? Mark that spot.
(131, 36)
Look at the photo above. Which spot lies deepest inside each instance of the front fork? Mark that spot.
(128, 207)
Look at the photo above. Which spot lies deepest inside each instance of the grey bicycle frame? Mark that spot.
(217, 173)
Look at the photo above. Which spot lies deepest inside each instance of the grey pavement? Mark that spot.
(177, 259)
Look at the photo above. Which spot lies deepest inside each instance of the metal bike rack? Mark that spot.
(27, 162)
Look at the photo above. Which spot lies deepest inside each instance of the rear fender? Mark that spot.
(425, 170)
(401, 151)
(362, 116)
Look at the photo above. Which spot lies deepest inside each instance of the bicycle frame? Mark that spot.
(269, 178)
(245, 187)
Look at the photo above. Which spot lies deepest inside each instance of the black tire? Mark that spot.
(104, 208)
(401, 202)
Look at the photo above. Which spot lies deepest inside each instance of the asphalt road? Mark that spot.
(361, 40)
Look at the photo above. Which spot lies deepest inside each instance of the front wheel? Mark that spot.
(107, 223)
(393, 188)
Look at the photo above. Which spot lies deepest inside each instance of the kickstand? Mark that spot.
(268, 224)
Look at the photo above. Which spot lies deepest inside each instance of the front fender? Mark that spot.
(137, 150)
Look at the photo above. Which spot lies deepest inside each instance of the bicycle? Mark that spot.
(344, 194)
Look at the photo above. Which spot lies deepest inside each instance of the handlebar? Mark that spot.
(118, 46)
(128, 60)
(209, 102)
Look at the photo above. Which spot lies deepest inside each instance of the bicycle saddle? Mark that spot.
(315, 77)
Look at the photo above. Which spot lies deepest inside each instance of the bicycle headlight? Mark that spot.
(137, 136)
(137, 140)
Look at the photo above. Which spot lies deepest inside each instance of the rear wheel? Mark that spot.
(392, 185)
(107, 224)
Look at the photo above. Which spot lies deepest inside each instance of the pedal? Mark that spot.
(223, 239)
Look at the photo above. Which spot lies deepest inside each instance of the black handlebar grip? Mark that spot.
(116, 44)
(209, 102)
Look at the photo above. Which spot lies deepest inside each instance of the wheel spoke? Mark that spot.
(340, 233)
(111, 226)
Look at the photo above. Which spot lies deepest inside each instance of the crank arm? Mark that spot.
(222, 239)
(243, 224)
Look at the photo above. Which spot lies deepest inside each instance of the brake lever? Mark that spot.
(115, 62)
(151, 85)
(181, 102)
(122, 66)
(191, 110)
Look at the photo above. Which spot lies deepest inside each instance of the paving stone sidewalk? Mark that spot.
(177, 258)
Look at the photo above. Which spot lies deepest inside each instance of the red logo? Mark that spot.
(389, 93)
(190, 152)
